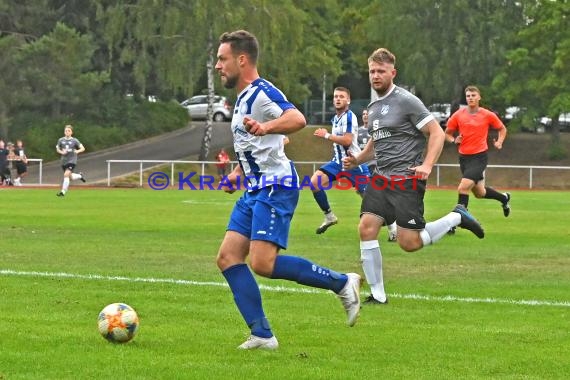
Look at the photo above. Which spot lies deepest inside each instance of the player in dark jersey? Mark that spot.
(69, 147)
(402, 128)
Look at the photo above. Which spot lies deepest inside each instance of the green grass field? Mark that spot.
(461, 309)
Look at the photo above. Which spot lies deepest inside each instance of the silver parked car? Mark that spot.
(441, 112)
(563, 121)
(197, 107)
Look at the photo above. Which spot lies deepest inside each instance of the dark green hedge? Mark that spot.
(99, 126)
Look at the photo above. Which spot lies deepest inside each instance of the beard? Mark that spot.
(231, 82)
(381, 89)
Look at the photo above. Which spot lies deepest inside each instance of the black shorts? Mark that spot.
(69, 167)
(473, 166)
(5, 173)
(21, 168)
(398, 200)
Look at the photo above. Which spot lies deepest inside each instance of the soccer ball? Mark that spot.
(118, 322)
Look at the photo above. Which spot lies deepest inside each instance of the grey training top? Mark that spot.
(69, 145)
(394, 123)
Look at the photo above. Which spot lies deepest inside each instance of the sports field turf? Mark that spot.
(461, 309)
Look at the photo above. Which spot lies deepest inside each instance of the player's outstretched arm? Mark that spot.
(436, 139)
(498, 143)
(367, 154)
(292, 120)
(232, 179)
(81, 149)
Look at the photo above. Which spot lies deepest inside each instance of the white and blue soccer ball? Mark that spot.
(118, 322)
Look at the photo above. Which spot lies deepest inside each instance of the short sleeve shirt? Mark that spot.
(69, 145)
(474, 129)
(345, 123)
(262, 158)
(394, 123)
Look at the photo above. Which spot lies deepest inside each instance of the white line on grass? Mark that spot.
(202, 202)
(9, 272)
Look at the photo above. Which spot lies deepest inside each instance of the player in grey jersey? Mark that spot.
(401, 129)
(69, 147)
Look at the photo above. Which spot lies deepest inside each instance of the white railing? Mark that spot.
(158, 163)
(40, 169)
(315, 165)
(529, 167)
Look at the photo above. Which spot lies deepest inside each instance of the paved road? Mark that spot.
(177, 145)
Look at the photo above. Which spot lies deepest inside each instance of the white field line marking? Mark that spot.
(202, 202)
(449, 298)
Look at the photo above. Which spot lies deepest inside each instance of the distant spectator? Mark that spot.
(223, 160)
(4, 170)
(21, 161)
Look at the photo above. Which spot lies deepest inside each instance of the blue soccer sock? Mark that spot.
(304, 272)
(248, 299)
(322, 201)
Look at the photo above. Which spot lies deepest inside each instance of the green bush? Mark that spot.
(556, 151)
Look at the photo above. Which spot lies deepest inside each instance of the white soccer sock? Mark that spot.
(65, 185)
(371, 258)
(437, 229)
(392, 228)
(75, 176)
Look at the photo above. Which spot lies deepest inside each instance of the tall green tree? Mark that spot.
(441, 46)
(537, 74)
(55, 71)
(9, 83)
(20, 23)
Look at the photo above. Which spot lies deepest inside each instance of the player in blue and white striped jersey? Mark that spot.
(259, 223)
(344, 136)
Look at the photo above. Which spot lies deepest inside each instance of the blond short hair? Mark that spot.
(472, 89)
(382, 55)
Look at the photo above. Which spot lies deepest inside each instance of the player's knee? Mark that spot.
(225, 259)
(478, 194)
(222, 261)
(410, 242)
(261, 267)
(463, 188)
(409, 246)
(367, 231)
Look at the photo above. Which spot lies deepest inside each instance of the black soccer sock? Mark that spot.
(491, 193)
(463, 199)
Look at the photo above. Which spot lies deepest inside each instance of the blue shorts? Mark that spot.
(334, 170)
(265, 214)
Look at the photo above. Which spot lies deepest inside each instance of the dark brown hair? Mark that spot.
(242, 42)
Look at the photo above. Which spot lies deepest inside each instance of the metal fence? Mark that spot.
(32, 174)
(510, 176)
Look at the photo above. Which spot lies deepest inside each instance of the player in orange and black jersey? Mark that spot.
(468, 128)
